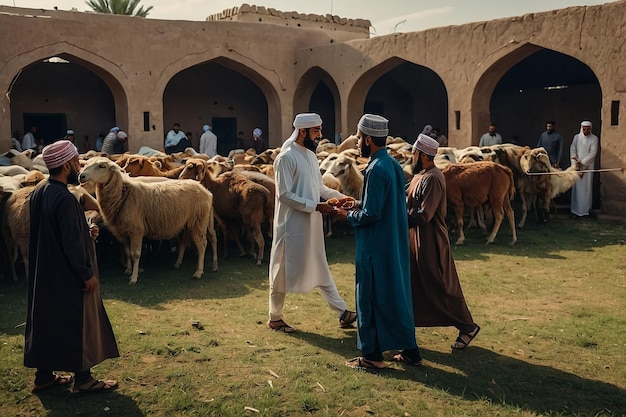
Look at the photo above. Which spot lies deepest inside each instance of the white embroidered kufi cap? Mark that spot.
(426, 144)
(586, 123)
(374, 125)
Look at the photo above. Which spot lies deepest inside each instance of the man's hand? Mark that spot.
(340, 215)
(325, 208)
(91, 284)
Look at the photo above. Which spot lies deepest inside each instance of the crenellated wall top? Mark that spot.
(260, 14)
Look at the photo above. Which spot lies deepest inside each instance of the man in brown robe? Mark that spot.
(67, 327)
(437, 295)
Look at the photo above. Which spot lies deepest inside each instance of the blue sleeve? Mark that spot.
(374, 195)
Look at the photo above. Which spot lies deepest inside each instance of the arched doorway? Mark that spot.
(64, 92)
(317, 92)
(218, 95)
(546, 85)
(409, 95)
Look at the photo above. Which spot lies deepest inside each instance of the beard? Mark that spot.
(365, 150)
(72, 177)
(418, 167)
(310, 144)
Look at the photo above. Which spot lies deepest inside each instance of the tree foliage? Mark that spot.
(125, 7)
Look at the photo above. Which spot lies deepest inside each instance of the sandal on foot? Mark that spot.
(401, 357)
(465, 339)
(58, 380)
(280, 326)
(347, 319)
(95, 385)
(361, 362)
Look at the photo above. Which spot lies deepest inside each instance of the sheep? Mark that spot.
(137, 165)
(544, 187)
(345, 170)
(351, 142)
(23, 159)
(133, 210)
(235, 197)
(477, 183)
(13, 170)
(16, 219)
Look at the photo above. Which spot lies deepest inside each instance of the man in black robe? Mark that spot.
(67, 327)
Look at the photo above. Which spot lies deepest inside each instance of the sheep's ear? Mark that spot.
(200, 171)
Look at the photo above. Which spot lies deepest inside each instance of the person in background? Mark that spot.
(100, 141)
(208, 141)
(491, 137)
(114, 142)
(241, 141)
(66, 324)
(298, 257)
(29, 141)
(440, 137)
(552, 142)
(258, 143)
(86, 144)
(69, 135)
(15, 141)
(176, 140)
(383, 281)
(583, 154)
(436, 291)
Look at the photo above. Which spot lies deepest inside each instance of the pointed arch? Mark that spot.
(317, 92)
(65, 90)
(408, 94)
(225, 92)
(530, 85)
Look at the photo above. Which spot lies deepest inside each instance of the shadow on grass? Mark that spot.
(61, 404)
(481, 374)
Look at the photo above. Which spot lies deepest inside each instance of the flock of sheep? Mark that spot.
(189, 195)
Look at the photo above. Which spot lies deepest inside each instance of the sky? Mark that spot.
(386, 16)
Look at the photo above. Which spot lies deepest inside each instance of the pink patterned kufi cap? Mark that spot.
(58, 153)
(426, 144)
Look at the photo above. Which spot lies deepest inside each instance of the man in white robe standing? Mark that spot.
(298, 258)
(583, 154)
(208, 142)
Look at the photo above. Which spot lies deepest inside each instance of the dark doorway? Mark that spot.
(323, 103)
(50, 126)
(225, 128)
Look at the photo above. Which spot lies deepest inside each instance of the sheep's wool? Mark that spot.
(426, 144)
(374, 125)
(58, 153)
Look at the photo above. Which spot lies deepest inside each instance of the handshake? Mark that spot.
(341, 203)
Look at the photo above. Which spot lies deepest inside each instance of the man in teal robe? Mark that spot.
(383, 280)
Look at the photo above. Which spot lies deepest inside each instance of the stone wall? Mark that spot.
(344, 28)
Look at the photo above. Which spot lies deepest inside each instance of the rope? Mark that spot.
(584, 170)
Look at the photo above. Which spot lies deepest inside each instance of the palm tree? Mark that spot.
(125, 7)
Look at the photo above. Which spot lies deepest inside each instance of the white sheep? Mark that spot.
(345, 170)
(133, 210)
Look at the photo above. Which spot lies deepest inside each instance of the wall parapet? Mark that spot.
(261, 14)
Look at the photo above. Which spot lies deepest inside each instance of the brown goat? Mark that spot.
(478, 183)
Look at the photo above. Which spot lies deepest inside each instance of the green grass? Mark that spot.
(552, 311)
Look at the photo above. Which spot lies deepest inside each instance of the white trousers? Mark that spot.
(329, 292)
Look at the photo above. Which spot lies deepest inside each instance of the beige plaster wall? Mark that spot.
(137, 58)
